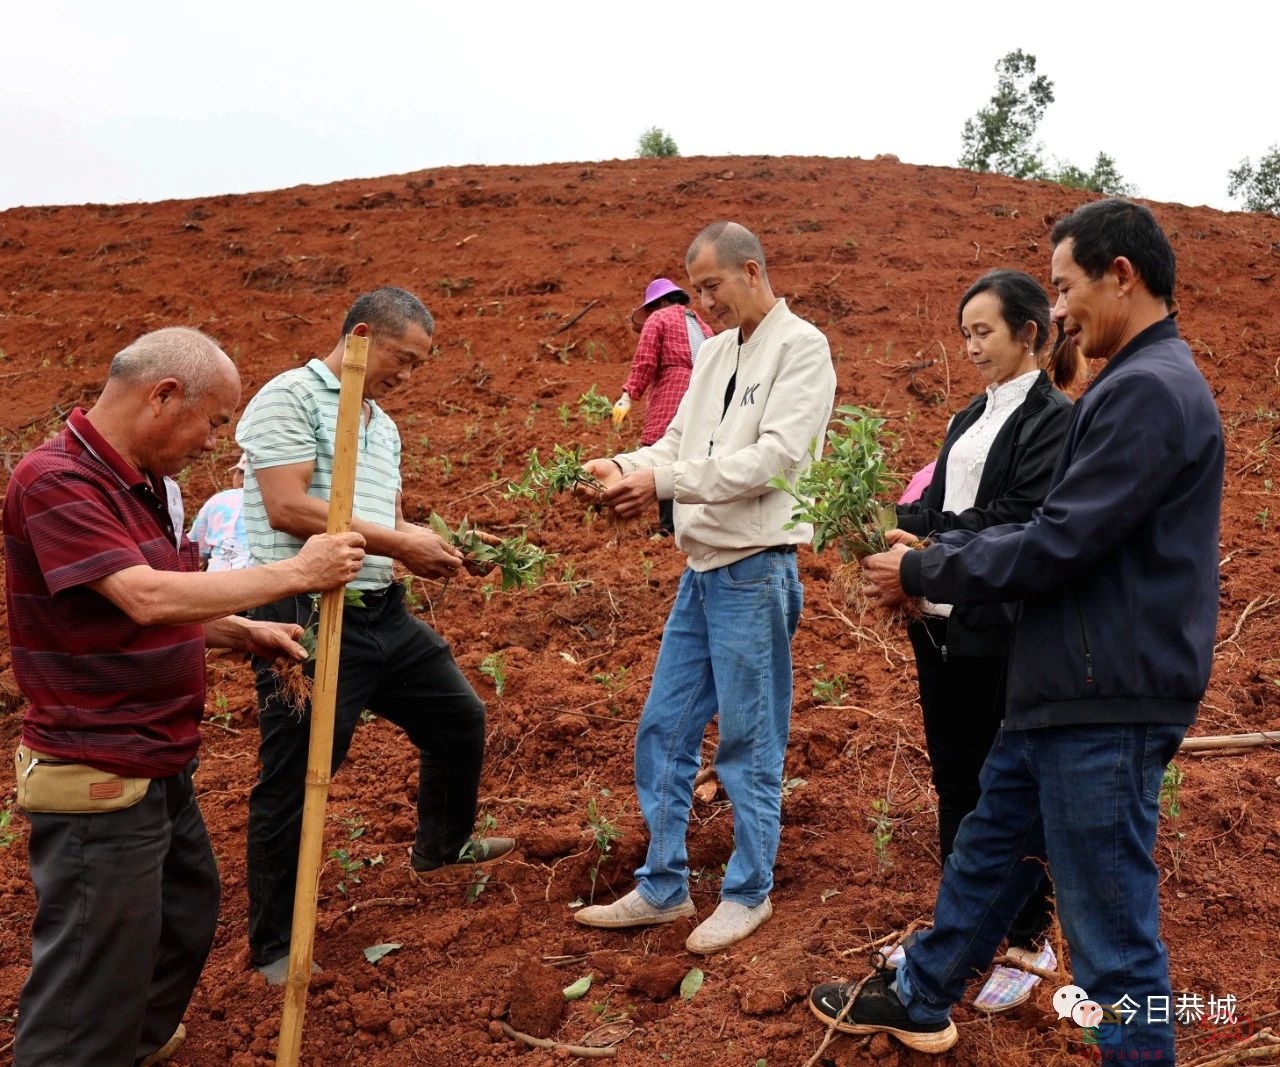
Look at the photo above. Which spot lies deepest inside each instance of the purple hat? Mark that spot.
(658, 289)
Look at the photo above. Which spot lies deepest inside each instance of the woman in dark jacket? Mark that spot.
(994, 468)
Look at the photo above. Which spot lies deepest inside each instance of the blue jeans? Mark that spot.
(727, 648)
(1088, 795)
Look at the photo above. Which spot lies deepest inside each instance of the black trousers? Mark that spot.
(398, 667)
(666, 517)
(963, 698)
(126, 909)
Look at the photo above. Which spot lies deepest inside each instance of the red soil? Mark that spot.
(875, 253)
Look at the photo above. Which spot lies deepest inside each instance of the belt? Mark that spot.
(788, 549)
(374, 597)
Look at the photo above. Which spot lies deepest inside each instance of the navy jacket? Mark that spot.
(1015, 479)
(1118, 569)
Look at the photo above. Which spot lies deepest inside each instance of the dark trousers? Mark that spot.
(401, 669)
(666, 517)
(962, 698)
(126, 909)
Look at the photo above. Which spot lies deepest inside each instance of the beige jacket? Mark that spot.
(715, 462)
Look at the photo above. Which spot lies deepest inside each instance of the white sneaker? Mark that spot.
(632, 910)
(727, 925)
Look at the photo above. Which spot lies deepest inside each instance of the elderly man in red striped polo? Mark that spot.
(109, 619)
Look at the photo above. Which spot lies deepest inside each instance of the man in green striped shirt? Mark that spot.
(390, 661)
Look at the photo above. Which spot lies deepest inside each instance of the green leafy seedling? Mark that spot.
(564, 472)
(520, 564)
(840, 493)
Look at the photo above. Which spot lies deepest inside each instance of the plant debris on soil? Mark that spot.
(531, 273)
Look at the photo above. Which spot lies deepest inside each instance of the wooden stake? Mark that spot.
(1210, 744)
(323, 701)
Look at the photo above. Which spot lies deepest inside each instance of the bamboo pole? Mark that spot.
(323, 703)
(1223, 741)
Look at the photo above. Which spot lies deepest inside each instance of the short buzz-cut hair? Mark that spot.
(388, 310)
(189, 356)
(1103, 230)
(734, 245)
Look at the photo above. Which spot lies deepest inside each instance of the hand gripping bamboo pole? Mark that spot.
(323, 702)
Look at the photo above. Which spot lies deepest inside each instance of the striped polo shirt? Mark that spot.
(293, 420)
(103, 690)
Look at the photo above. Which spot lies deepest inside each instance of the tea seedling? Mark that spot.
(613, 681)
(521, 565)
(603, 834)
(7, 836)
(1170, 788)
(564, 472)
(222, 716)
(350, 868)
(881, 831)
(593, 407)
(494, 667)
(828, 688)
(841, 492)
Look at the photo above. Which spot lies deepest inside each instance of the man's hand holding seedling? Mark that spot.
(604, 471)
(632, 495)
(426, 553)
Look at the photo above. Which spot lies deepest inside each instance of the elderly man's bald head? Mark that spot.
(178, 352)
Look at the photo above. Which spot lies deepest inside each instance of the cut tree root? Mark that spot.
(541, 1042)
(1254, 1047)
(292, 685)
(831, 1028)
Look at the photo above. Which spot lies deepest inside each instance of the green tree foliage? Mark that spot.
(1000, 137)
(1104, 178)
(1257, 186)
(656, 144)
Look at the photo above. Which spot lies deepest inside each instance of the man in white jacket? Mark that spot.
(760, 396)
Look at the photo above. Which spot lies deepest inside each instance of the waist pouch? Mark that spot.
(49, 784)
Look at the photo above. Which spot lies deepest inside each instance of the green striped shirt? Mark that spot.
(293, 419)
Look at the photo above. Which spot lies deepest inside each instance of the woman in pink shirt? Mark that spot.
(670, 335)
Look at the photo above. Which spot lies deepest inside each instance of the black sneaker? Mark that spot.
(877, 1009)
(476, 850)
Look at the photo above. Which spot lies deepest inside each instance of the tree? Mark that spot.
(656, 144)
(1104, 178)
(999, 138)
(1258, 187)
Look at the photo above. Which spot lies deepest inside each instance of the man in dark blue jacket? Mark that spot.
(1118, 577)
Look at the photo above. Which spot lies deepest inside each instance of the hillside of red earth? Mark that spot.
(531, 273)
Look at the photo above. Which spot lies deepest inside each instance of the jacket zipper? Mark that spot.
(1084, 643)
(732, 388)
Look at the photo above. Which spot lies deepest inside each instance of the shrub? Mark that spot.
(656, 144)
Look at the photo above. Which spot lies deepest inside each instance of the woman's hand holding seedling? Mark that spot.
(899, 536)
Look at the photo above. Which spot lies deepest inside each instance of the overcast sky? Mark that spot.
(108, 102)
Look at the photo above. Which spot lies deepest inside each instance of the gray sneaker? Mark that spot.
(728, 925)
(632, 910)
